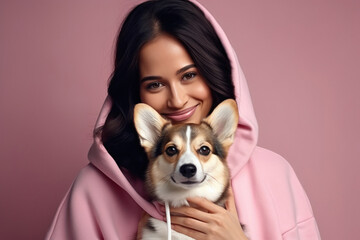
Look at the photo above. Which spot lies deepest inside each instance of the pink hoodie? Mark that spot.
(106, 203)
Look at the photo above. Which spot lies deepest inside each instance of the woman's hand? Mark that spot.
(208, 220)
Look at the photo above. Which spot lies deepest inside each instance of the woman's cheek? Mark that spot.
(201, 91)
(155, 100)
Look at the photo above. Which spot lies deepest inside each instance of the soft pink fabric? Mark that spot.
(105, 203)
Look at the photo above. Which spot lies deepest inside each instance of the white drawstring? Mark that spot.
(168, 220)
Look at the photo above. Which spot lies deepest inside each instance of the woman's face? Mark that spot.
(171, 83)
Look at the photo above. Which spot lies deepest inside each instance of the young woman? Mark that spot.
(172, 55)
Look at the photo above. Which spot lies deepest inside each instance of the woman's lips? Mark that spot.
(181, 115)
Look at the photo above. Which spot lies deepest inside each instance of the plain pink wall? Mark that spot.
(301, 60)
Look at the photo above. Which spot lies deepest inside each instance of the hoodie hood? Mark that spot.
(245, 138)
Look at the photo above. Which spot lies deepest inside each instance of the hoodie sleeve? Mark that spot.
(95, 208)
(270, 200)
(304, 226)
(304, 230)
(291, 203)
(74, 218)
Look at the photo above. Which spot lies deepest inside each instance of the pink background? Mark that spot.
(301, 60)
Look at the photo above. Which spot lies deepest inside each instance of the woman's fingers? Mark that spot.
(189, 232)
(190, 212)
(194, 221)
(189, 222)
(204, 219)
(202, 216)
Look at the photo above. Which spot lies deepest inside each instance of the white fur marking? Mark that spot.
(188, 157)
(188, 138)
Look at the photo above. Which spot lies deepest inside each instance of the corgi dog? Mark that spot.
(185, 160)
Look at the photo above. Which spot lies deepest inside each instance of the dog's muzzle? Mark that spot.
(187, 175)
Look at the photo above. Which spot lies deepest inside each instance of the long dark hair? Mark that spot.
(187, 23)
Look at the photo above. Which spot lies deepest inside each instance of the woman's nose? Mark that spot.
(177, 97)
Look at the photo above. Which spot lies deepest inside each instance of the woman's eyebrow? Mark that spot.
(148, 78)
(183, 69)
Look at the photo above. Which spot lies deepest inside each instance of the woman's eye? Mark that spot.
(154, 85)
(189, 75)
(171, 151)
(204, 150)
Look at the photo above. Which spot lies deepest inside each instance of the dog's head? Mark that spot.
(187, 159)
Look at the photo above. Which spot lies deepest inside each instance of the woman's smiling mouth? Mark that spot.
(182, 115)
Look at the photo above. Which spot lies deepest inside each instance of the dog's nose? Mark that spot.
(188, 170)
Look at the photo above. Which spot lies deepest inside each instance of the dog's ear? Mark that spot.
(223, 120)
(148, 124)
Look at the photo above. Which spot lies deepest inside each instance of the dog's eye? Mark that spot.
(204, 150)
(171, 151)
